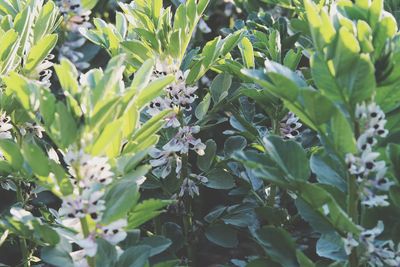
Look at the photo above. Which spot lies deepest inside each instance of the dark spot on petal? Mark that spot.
(369, 165)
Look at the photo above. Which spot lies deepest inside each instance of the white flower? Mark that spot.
(114, 232)
(200, 178)
(162, 162)
(178, 94)
(381, 182)
(188, 186)
(90, 169)
(376, 201)
(72, 207)
(88, 244)
(203, 26)
(5, 126)
(368, 161)
(79, 258)
(94, 204)
(361, 110)
(44, 72)
(159, 104)
(349, 243)
(289, 126)
(32, 128)
(366, 140)
(184, 140)
(368, 236)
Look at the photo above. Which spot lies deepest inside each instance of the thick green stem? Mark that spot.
(86, 232)
(187, 216)
(352, 203)
(22, 241)
(273, 188)
(272, 195)
(352, 210)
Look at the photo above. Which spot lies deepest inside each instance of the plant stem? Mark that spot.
(352, 201)
(352, 210)
(272, 195)
(273, 188)
(187, 226)
(85, 230)
(22, 241)
(187, 217)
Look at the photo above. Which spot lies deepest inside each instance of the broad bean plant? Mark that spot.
(199, 133)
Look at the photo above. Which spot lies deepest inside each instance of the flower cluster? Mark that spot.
(181, 143)
(74, 14)
(44, 72)
(377, 253)
(190, 187)
(75, 18)
(289, 126)
(369, 172)
(185, 141)
(32, 128)
(179, 95)
(89, 176)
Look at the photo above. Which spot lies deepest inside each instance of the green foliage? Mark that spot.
(199, 133)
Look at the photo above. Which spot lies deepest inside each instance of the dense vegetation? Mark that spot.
(200, 133)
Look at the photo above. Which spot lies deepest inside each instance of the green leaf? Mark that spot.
(222, 235)
(111, 78)
(290, 157)
(394, 193)
(292, 59)
(58, 255)
(134, 257)
(106, 253)
(67, 75)
(220, 86)
(233, 144)
(36, 158)
(393, 153)
(46, 233)
(89, 4)
(219, 179)
(331, 246)
(279, 245)
(40, 51)
(158, 244)
(146, 210)
(170, 263)
(8, 41)
(64, 129)
(318, 107)
(23, 25)
(204, 162)
(142, 76)
(329, 170)
(246, 49)
(153, 90)
(11, 153)
(340, 133)
(109, 141)
(120, 199)
(203, 106)
(327, 207)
